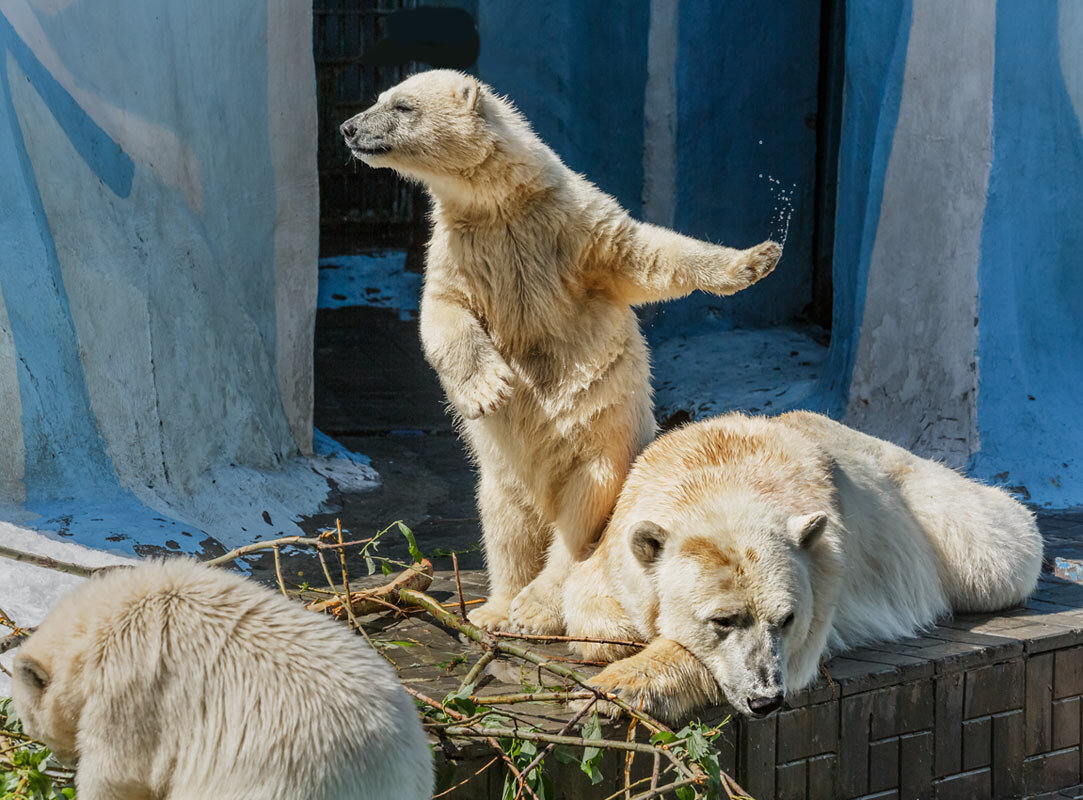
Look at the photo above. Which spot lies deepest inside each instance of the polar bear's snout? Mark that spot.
(364, 136)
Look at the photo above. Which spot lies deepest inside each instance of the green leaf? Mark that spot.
(565, 755)
(370, 564)
(592, 729)
(409, 534)
(663, 737)
(385, 568)
(460, 700)
(685, 793)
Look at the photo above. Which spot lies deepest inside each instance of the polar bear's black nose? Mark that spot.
(762, 706)
(348, 129)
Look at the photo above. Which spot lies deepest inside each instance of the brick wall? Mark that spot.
(984, 706)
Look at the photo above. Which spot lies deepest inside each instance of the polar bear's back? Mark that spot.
(242, 692)
(987, 546)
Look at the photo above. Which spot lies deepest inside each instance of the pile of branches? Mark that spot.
(683, 764)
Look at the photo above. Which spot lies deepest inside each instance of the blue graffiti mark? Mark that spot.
(103, 155)
(873, 93)
(63, 444)
(1030, 331)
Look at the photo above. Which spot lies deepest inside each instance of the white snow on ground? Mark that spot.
(375, 279)
(761, 370)
(27, 592)
(351, 472)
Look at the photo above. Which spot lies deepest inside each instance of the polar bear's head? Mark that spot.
(430, 125)
(736, 589)
(453, 133)
(46, 683)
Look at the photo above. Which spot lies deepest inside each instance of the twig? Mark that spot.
(572, 741)
(655, 770)
(459, 585)
(48, 563)
(490, 740)
(628, 759)
(485, 639)
(345, 577)
(417, 576)
(662, 790)
(256, 547)
(547, 639)
(472, 676)
(549, 747)
(278, 575)
(530, 697)
(467, 779)
(733, 789)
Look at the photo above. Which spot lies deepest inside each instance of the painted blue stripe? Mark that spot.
(877, 36)
(1030, 295)
(64, 448)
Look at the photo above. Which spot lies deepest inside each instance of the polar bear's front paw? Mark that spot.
(492, 616)
(485, 392)
(535, 610)
(627, 680)
(760, 260)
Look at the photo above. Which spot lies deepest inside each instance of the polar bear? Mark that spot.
(177, 681)
(526, 316)
(747, 549)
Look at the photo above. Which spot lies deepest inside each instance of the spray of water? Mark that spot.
(783, 211)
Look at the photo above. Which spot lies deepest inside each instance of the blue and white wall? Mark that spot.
(959, 240)
(958, 306)
(158, 249)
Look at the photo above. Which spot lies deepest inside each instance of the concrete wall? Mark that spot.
(958, 275)
(695, 115)
(158, 270)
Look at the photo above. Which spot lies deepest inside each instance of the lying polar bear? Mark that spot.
(745, 550)
(176, 681)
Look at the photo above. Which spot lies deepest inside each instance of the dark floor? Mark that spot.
(376, 395)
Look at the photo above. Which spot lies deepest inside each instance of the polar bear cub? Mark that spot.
(745, 550)
(176, 681)
(526, 315)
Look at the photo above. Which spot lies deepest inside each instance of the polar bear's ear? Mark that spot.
(470, 92)
(646, 541)
(31, 675)
(806, 529)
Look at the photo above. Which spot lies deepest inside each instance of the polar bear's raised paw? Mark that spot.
(761, 259)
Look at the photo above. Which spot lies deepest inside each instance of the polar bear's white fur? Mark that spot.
(745, 550)
(176, 681)
(526, 316)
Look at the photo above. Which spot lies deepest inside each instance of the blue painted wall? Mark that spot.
(876, 39)
(1023, 372)
(158, 276)
(746, 79)
(1031, 273)
(577, 71)
(747, 76)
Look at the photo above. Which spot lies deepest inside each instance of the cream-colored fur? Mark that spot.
(175, 681)
(526, 316)
(746, 550)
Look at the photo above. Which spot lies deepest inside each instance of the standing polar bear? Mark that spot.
(526, 317)
(744, 550)
(176, 681)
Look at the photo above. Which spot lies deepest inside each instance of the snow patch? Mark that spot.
(763, 370)
(377, 279)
